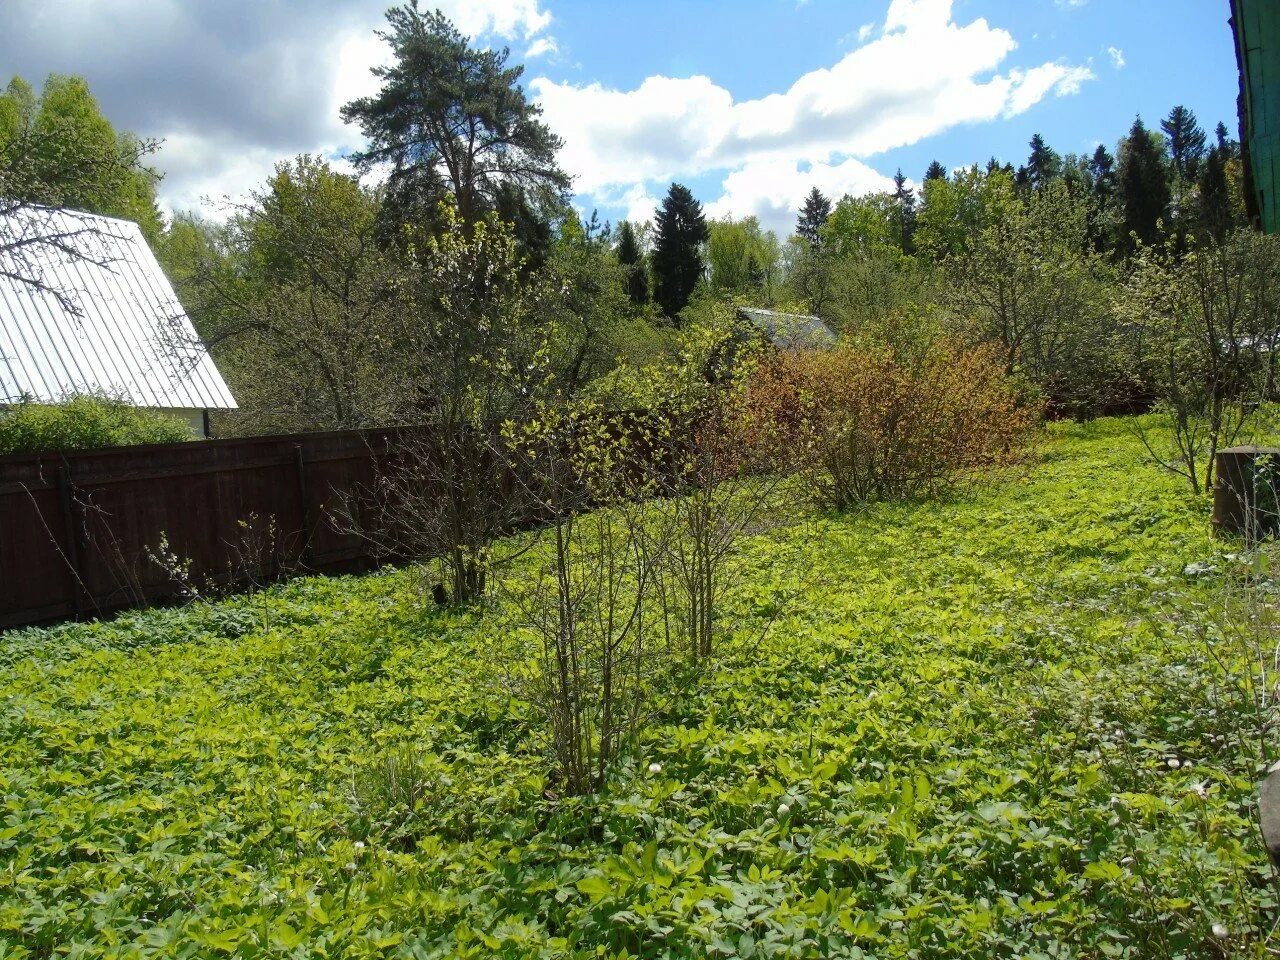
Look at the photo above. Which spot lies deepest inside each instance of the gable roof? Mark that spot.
(102, 317)
(789, 331)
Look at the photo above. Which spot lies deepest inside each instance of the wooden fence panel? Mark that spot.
(79, 531)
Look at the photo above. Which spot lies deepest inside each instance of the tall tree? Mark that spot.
(451, 119)
(677, 249)
(297, 300)
(1105, 218)
(1214, 206)
(905, 198)
(813, 217)
(1043, 164)
(935, 171)
(1186, 142)
(631, 257)
(57, 150)
(1225, 143)
(1144, 185)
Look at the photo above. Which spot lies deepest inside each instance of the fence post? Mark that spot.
(305, 503)
(1245, 490)
(78, 589)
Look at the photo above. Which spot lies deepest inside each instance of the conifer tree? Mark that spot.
(813, 217)
(1214, 196)
(1043, 164)
(677, 249)
(1186, 142)
(452, 121)
(1144, 185)
(936, 171)
(632, 259)
(905, 200)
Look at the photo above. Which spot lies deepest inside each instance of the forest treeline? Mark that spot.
(327, 295)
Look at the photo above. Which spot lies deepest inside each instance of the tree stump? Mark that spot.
(1246, 492)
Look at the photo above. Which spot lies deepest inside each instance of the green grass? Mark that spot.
(968, 706)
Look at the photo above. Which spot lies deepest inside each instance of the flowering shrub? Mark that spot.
(874, 424)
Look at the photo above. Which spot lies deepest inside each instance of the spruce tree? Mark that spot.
(632, 259)
(1215, 196)
(1144, 185)
(677, 250)
(1226, 146)
(936, 171)
(905, 200)
(1186, 142)
(1043, 164)
(813, 217)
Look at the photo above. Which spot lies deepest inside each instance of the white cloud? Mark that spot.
(773, 189)
(865, 31)
(542, 46)
(923, 75)
(1117, 57)
(231, 86)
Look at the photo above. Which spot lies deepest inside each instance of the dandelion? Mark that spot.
(350, 867)
(655, 768)
(783, 809)
(1173, 763)
(359, 847)
(1220, 931)
(1200, 790)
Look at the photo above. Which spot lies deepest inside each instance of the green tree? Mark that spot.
(743, 257)
(632, 259)
(297, 299)
(57, 150)
(1144, 185)
(935, 171)
(813, 217)
(453, 121)
(1043, 164)
(1186, 143)
(677, 257)
(861, 226)
(905, 199)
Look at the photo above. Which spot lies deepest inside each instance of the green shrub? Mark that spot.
(84, 423)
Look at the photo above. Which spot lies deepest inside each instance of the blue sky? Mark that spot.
(749, 103)
(1139, 64)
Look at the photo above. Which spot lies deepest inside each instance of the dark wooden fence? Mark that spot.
(79, 530)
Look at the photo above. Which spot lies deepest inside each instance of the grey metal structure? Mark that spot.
(789, 331)
(85, 307)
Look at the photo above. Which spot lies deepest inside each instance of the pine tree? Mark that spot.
(905, 200)
(1144, 185)
(813, 217)
(632, 259)
(1043, 165)
(677, 250)
(1186, 142)
(936, 171)
(452, 121)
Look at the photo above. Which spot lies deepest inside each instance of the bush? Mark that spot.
(876, 424)
(84, 423)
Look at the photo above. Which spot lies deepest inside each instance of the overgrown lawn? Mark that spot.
(983, 727)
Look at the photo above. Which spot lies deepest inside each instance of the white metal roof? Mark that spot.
(104, 317)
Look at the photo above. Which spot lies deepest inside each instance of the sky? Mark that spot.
(749, 103)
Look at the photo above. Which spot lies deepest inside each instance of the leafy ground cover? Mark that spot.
(982, 727)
